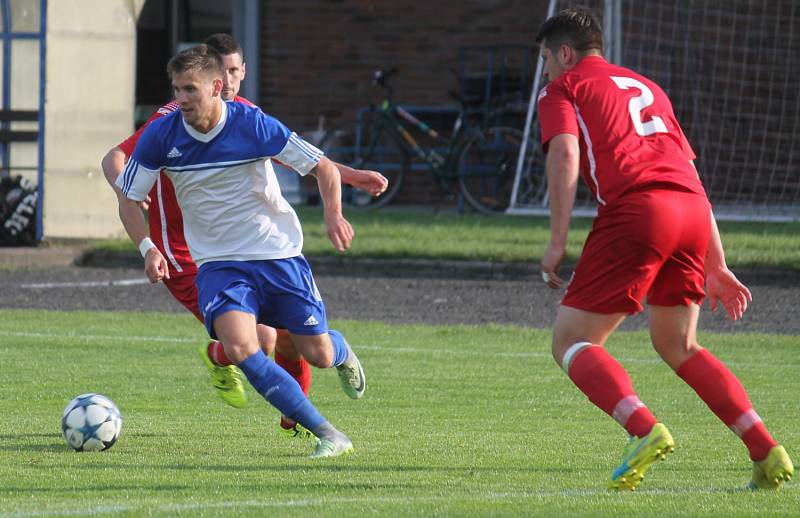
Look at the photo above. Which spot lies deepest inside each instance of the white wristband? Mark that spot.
(145, 245)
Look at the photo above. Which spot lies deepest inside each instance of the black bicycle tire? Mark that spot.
(478, 202)
(395, 178)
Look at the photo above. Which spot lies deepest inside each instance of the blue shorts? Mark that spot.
(279, 292)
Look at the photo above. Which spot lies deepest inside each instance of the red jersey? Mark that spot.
(629, 137)
(165, 217)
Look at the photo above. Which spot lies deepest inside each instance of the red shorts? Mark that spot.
(182, 287)
(649, 243)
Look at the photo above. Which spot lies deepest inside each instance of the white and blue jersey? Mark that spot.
(227, 190)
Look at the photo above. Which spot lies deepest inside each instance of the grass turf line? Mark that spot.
(457, 420)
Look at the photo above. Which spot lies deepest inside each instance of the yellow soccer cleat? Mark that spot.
(773, 471)
(639, 454)
(292, 430)
(226, 380)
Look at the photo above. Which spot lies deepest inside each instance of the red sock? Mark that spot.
(217, 354)
(606, 383)
(298, 369)
(724, 394)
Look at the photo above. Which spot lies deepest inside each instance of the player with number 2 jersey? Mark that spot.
(654, 237)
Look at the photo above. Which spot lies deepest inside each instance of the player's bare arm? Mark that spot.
(562, 176)
(155, 265)
(340, 232)
(721, 284)
(131, 217)
(113, 164)
(130, 213)
(370, 181)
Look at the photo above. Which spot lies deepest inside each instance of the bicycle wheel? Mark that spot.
(364, 145)
(487, 166)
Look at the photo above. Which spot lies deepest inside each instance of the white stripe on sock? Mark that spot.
(625, 408)
(571, 352)
(744, 422)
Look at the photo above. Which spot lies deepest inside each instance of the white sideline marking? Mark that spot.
(85, 284)
(410, 350)
(383, 348)
(309, 502)
(99, 337)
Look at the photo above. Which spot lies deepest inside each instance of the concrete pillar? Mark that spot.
(90, 88)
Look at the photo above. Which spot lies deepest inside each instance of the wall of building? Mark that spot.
(318, 56)
(90, 69)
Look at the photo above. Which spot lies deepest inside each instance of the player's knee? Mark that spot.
(238, 351)
(317, 350)
(321, 359)
(267, 338)
(565, 352)
(286, 348)
(283, 342)
(556, 351)
(676, 353)
(561, 342)
(685, 353)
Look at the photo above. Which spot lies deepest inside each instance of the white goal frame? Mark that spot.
(761, 205)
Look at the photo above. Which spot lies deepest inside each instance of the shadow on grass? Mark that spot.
(30, 442)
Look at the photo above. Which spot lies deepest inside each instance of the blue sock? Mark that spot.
(280, 389)
(340, 348)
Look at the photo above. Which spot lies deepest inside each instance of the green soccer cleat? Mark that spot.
(328, 449)
(351, 377)
(639, 454)
(293, 430)
(773, 471)
(226, 380)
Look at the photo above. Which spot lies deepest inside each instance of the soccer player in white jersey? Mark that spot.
(166, 228)
(244, 236)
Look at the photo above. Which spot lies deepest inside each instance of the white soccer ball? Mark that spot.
(91, 422)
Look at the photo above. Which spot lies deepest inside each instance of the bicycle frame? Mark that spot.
(473, 159)
(391, 117)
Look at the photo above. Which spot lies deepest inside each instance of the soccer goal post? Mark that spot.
(731, 70)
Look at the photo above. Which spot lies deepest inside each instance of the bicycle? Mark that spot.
(481, 161)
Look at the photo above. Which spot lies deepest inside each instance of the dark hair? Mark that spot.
(577, 27)
(200, 57)
(225, 44)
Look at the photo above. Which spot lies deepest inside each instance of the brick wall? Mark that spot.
(318, 56)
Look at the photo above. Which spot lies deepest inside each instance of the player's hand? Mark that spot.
(340, 232)
(155, 266)
(145, 203)
(371, 181)
(551, 263)
(723, 286)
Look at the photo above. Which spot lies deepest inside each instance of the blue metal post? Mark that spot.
(6, 95)
(40, 159)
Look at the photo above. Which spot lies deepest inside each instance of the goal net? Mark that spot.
(732, 70)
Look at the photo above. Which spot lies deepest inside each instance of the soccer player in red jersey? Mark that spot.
(166, 231)
(654, 236)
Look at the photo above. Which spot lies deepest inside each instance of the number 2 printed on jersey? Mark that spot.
(639, 103)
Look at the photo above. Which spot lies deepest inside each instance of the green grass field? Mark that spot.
(458, 421)
(421, 233)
